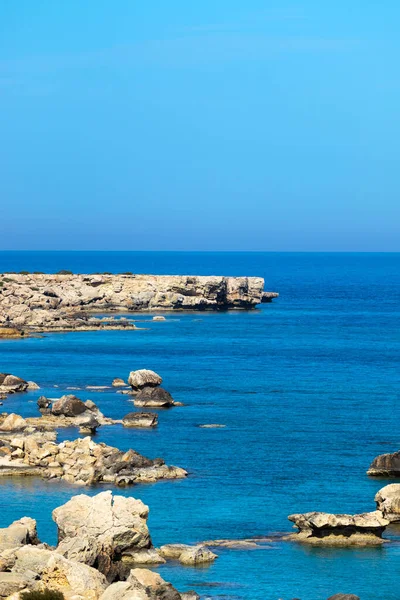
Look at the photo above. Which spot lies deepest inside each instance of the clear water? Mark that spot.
(308, 388)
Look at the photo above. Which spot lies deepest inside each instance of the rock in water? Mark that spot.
(339, 530)
(68, 406)
(344, 597)
(385, 465)
(388, 502)
(140, 419)
(118, 382)
(155, 397)
(100, 530)
(144, 378)
(188, 555)
(10, 384)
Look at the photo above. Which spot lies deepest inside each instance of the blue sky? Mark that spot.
(200, 124)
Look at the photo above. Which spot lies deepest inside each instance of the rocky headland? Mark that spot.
(61, 302)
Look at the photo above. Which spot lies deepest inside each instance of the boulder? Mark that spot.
(13, 422)
(153, 584)
(143, 378)
(140, 419)
(344, 530)
(118, 382)
(11, 583)
(155, 397)
(197, 555)
(385, 465)
(19, 533)
(388, 502)
(44, 404)
(102, 529)
(33, 386)
(159, 318)
(11, 384)
(68, 406)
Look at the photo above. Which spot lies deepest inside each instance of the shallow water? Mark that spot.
(307, 387)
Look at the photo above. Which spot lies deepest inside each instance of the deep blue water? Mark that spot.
(308, 388)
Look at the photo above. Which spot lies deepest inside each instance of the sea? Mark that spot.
(307, 387)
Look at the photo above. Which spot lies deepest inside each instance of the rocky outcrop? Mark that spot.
(188, 555)
(388, 502)
(153, 397)
(82, 461)
(11, 384)
(140, 419)
(101, 530)
(118, 382)
(61, 302)
(143, 378)
(143, 584)
(385, 465)
(345, 530)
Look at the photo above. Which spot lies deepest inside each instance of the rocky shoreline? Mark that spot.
(36, 302)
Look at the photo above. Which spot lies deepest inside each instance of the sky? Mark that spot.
(200, 125)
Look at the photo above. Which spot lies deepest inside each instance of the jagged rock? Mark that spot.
(143, 378)
(13, 422)
(10, 384)
(81, 461)
(140, 419)
(385, 465)
(51, 570)
(19, 533)
(153, 397)
(388, 502)
(100, 530)
(68, 406)
(323, 528)
(118, 382)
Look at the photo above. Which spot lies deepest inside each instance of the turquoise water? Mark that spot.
(308, 388)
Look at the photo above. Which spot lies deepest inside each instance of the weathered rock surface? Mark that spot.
(100, 530)
(385, 465)
(18, 533)
(388, 502)
(11, 384)
(188, 555)
(144, 378)
(140, 419)
(143, 584)
(13, 422)
(324, 528)
(118, 382)
(153, 397)
(69, 411)
(82, 461)
(41, 302)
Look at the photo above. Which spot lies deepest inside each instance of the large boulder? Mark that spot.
(344, 530)
(18, 534)
(13, 422)
(153, 397)
(385, 465)
(143, 378)
(142, 584)
(102, 529)
(388, 502)
(68, 406)
(11, 384)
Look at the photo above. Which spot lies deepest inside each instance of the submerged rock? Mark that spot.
(345, 530)
(155, 397)
(143, 378)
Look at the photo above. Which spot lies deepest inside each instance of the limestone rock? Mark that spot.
(155, 397)
(140, 419)
(143, 378)
(388, 502)
(33, 386)
(197, 555)
(11, 384)
(18, 533)
(386, 465)
(13, 422)
(68, 406)
(344, 597)
(100, 530)
(118, 382)
(323, 528)
(154, 584)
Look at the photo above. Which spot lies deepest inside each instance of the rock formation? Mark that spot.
(144, 378)
(11, 384)
(62, 302)
(388, 502)
(140, 419)
(188, 555)
(34, 452)
(385, 465)
(145, 386)
(343, 530)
